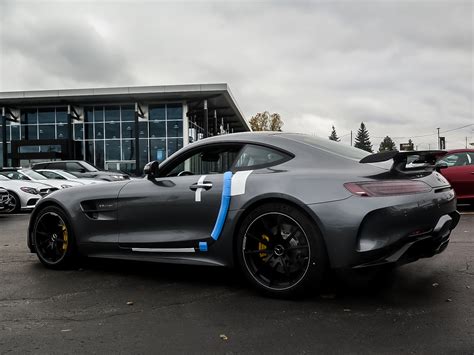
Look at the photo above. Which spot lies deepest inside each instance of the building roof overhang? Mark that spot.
(219, 98)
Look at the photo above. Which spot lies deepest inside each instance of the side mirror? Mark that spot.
(151, 170)
(440, 165)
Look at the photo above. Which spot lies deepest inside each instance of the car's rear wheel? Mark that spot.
(280, 250)
(53, 238)
(14, 204)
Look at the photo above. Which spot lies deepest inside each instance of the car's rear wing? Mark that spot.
(409, 162)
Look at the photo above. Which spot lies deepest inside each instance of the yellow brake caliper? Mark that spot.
(262, 246)
(64, 237)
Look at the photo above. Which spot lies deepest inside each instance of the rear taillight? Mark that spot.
(386, 188)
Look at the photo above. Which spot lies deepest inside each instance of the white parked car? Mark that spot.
(31, 175)
(24, 194)
(64, 175)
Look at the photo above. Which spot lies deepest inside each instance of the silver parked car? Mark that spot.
(64, 175)
(31, 175)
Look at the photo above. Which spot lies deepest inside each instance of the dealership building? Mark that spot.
(113, 128)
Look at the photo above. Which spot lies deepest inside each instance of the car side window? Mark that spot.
(209, 160)
(457, 159)
(255, 156)
(58, 165)
(74, 167)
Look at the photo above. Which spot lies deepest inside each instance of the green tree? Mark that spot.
(387, 144)
(362, 140)
(264, 121)
(333, 136)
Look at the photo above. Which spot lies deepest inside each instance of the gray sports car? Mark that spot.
(282, 207)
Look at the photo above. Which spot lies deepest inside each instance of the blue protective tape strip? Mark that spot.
(225, 203)
(202, 246)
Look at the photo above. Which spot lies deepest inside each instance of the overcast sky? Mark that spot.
(402, 67)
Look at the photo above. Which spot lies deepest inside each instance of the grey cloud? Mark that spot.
(403, 67)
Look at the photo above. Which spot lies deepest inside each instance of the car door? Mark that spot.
(460, 173)
(179, 208)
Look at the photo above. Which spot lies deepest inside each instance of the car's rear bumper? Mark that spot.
(412, 248)
(370, 231)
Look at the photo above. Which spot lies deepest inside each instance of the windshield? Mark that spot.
(328, 145)
(66, 175)
(33, 175)
(88, 166)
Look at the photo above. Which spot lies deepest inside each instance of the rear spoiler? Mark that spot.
(426, 160)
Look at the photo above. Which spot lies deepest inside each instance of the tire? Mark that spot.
(54, 239)
(281, 251)
(14, 205)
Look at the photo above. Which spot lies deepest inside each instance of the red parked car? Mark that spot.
(457, 166)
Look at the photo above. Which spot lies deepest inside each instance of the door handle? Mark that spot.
(206, 185)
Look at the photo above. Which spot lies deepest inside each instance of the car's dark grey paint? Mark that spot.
(108, 220)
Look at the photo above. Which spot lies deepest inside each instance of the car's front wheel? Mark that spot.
(14, 203)
(53, 238)
(280, 250)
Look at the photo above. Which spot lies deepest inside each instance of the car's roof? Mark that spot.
(460, 151)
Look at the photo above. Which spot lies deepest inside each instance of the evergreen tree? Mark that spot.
(387, 144)
(333, 136)
(362, 140)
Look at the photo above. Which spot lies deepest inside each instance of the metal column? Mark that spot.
(205, 118)
(215, 123)
(71, 154)
(4, 137)
(137, 143)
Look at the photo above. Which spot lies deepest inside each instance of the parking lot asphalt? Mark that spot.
(423, 307)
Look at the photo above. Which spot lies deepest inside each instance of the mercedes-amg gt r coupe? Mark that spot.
(283, 208)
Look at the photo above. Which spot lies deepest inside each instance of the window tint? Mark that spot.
(58, 165)
(258, 156)
(74, 167)
(458, 159)
(211, 160)
(14, 175)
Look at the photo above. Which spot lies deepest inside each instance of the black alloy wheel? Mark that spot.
(53, 238)
(281, 250)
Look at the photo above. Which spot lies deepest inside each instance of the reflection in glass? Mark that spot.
(99, 130)
(61, 115)
(143, 153)
(143, 129)
(15, 135)
(88, 114)
(128, 113)
(99, 154)
(175, 128)
(157, 129)
(90, 151)
(29, 116)
(158, 149)
(46, 115)
(128, 130)
(174, 112)
(112, 113)
(112, 149)
(78, 131)
(156, 112)
(128, 149)
(46, 132)
(61, 131)
(174, 145)
(112, 130)
(98, 114)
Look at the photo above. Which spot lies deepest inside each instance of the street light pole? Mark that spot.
(438, 138)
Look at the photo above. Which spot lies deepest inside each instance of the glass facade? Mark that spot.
(107, 134)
